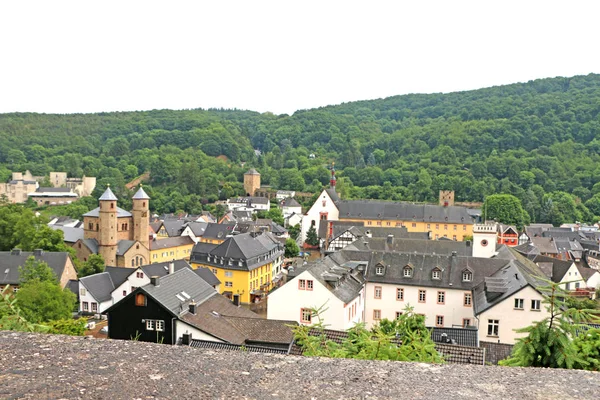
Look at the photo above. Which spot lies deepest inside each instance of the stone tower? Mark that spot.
(251, 182)
(107, 234)
(140, 217)
(446, 198)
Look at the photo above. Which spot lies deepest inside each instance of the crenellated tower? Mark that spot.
(141, 219)
(107, 233)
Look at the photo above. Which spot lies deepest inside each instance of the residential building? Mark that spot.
(236, 216)
(508, 235)
(284, 194)
(334, 285)
(194, 230)
(50, 196)
(290, 206)
(181, 307)
(250, 203)
(12, 261)
(122, 238)
(344, 235)
(293, 220)
(245, 264)
(172, 248)
(17, 189)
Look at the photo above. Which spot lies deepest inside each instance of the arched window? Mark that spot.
(140, 300)
(132, 262)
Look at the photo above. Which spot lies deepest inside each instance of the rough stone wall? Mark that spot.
(36, 366)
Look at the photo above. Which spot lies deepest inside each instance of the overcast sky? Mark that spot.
(279, 56)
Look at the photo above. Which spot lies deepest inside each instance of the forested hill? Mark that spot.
(535, 140)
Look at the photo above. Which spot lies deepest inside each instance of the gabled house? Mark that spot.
(508, 235)
(11, 261)
(194, 230)
(293, 220)
(172, 248)
(290, 206)
(561, 271)
(182, 307)
(249, 203)
(343, 235)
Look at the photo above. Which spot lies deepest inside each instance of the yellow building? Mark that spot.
(245, 264)
(169, 249)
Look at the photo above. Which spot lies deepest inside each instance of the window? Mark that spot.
(464, 227)
(309, 285)
(149, 324)
(407, 272)
(378, 292)
(94, 307)
(493, 325)
(468, 298)
(466, 322)
(369, 223)
(305, 315)
(455, 227)
(160, 325)
(439, 320)
(376, 315)
(519, 304)
(536, 305)
(441, 298)
(398, 314)
(214, 271)
(454, 237)
(428, 226)
(140, 300)
(228, 274)
(82, 291)
(445, 227)
(388, 224)
(400, 294)
(124, 293)
(378, 223)
(437, 226)
(467, 276)
(85, 306)
(139, 275)
(228, 284)
(436, 274)
(302, 284)
(422, 296)
(379, 270)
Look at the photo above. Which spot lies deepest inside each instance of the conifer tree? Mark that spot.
(311, 236)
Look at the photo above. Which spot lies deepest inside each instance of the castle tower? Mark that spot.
(107, 234)
(251, 182)
(141, 219)
(484, 240)
(446, 198)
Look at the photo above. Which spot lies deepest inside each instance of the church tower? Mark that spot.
(484, 240)
(107, 234)
(141, 218)
(251, 182)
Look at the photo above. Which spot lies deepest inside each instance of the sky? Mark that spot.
(279, 56)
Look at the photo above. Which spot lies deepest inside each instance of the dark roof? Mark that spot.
(10, 261)
(333, 194)
(459, 336)
(166, 243)
(206, 344)
(156, 226)
(402, 245)
(73, 286)
(99, 285)
(183, 283)
(70, 234)
(162, 269)
(553, 268)
(197, 227)
(381, 210)
(53, 190)
(252, 171)
(219, 231)
(544, 244)
(207, 275)
(451, 268)
(174, 227)
(96, 213)
(586, 273)
(289, 202)
(91, 244)
(108, 195)
(118, 275)
(123, 246)
(527, 249)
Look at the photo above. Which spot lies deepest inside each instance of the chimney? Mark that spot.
(186, 339)
(192, 307)
(38, 252)
(468, 243)
(236, 300)
(15, 252)
(390, 240)
(171, 268)
(155, 280)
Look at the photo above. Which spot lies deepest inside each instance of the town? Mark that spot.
(246, 282)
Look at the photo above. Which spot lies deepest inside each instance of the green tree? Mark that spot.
(43, 301)
(93, 265)
(311, 236)
(35, 270)
(291, 248)
(275, 215)
(11, 318)
(505, 208)
(587, 346)
(294, 231)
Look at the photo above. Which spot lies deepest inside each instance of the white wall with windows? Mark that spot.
(573, 279)
(498, 323)
(90, 305)
(293, 300)
(323, 209)
(136, 279)
(440, 306)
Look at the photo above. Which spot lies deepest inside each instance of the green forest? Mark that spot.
(538, 141)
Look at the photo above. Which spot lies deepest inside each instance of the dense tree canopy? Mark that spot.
(539, 141)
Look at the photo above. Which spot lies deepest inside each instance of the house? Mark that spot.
(285, 194)
(293, 220)
(249, 203)
(70, 234)
(183, 307)
(290, 206)
(343, 235)
(508, 235)
(194, 230)
(11, 261)
(218, 233)
(509, 299)
(236, 216)
(332, 284)
(172, 248)
(122, 238)
(591, 277)
(246, 264)
(561, 271)
(51, 196)
(99, 291)
(436, 285)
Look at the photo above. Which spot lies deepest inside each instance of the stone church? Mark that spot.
(120, 237)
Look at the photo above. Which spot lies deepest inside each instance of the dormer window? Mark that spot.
(379, 270)
(467, 276)
(436, 274)
(408, 271)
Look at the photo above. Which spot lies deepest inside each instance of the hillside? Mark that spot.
(534, 140)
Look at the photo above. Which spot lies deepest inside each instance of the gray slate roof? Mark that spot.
(118, 275)
(401, 245)
(99, 285)
(553, 268)
(381, 210)
(140, 195)
(167, 243)
(91, 244)
(252, 171)
(333, 194)
(96, 213)
(197, 228)
(123, 246)
(174, 227)
(207, 275)
(162, 269)
(71, 235)
(10, 261)
(53, 190)
(250, 200)
(459, 336)
(108, 195)
(289, 202)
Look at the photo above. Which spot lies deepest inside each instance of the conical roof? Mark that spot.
(140, 195)
(252, 172)
(108, 195)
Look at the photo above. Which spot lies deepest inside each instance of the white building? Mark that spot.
(290, 206)
(284, 194)
(322, 210)
(337, 290)
(293, 220)
(484, 240)
(250, 203)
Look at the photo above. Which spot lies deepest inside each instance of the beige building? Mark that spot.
(82, 186)
(121, 237)
(18, 187)
(22, 184)
(251, 182)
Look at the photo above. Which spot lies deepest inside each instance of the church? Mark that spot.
(120, 237)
